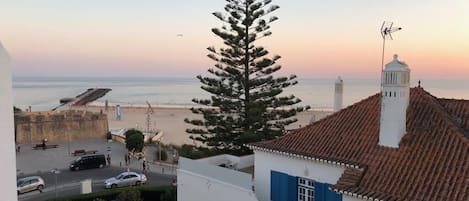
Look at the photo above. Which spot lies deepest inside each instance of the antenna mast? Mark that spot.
(386, 33)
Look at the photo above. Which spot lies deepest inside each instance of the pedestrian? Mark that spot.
(108, 160)
(44, 143)
(126, 158)
(144, 166)
(18, 149)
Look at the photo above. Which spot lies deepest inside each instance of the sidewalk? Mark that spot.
(30, 161)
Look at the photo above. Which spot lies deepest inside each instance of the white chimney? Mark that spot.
(7, 150)
(338, 94)
(394, 102)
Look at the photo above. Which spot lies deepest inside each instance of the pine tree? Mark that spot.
(246, 104)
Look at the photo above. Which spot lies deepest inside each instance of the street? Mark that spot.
(68, 182)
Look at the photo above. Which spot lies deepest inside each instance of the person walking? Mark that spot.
(144, 166)
(126, 158)
(108, 158)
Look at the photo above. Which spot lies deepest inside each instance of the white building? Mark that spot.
(8, 170)
(368, 151)
(400, 145)
(205, 180)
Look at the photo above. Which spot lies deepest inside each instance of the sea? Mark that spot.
(44, 93)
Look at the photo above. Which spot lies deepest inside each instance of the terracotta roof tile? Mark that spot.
(432, 162)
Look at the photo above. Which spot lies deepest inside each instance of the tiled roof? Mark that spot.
(431, 163)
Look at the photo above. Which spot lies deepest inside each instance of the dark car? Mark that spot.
(88, 161)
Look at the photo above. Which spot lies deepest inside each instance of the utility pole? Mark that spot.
(55, 171)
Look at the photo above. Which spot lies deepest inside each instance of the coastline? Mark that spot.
(169, 119)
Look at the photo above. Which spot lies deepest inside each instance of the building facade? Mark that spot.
(397, 145)
(7, 150)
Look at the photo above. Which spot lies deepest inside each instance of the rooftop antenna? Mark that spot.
(149, 113)
(387, 29)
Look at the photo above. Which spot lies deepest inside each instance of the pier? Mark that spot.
(84, 98)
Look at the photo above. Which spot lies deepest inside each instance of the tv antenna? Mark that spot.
(149, 113)
(387, 29)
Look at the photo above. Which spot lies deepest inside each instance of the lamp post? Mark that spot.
(55, 171)
(68, 133)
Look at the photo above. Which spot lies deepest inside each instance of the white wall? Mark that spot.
(204, 182)
(350, 198)
(266, 161)
(7, 150)
(237, 162)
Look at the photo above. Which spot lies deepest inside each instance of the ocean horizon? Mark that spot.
(44, 93)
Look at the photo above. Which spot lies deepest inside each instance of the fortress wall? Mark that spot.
(56, 126)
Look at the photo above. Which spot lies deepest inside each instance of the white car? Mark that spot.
(125, 179)
(27, 184)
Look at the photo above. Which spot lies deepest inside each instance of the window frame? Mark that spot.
(305, 189)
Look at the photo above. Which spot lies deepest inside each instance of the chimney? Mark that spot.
(394, 102)
(338, 94)
(7, 150)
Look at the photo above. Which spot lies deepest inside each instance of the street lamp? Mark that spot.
(55, 171)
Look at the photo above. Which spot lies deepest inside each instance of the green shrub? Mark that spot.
(169, 194)
(129, 195)
(147, 193)
(193, 152)
(134, 140)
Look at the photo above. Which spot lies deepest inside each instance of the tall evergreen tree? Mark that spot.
(246, 104)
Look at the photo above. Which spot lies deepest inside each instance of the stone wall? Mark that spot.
(59, 126)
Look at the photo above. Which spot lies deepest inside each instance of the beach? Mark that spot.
(170, 120)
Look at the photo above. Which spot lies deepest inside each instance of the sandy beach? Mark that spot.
(170, 120)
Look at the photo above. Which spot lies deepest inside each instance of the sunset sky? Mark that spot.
(315, 38)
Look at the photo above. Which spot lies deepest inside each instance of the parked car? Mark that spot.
(88, 161)
(28, 184)
(125, 179)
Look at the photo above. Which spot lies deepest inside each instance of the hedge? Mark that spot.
(152, 193)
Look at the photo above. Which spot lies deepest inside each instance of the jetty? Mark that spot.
(84, 98)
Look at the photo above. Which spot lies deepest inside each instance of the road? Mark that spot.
(68, 182)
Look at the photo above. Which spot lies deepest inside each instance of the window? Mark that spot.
(305, 189)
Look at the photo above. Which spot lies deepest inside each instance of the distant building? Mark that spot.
(403, 144)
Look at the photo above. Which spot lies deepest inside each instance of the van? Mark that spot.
(88, 161)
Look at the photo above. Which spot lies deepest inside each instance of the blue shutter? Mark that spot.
(275, 186)
(292, 188)
(284, 187)
(278, 186)
(330, 194)
(319, 191)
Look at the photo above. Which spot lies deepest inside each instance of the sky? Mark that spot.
(315, 38)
